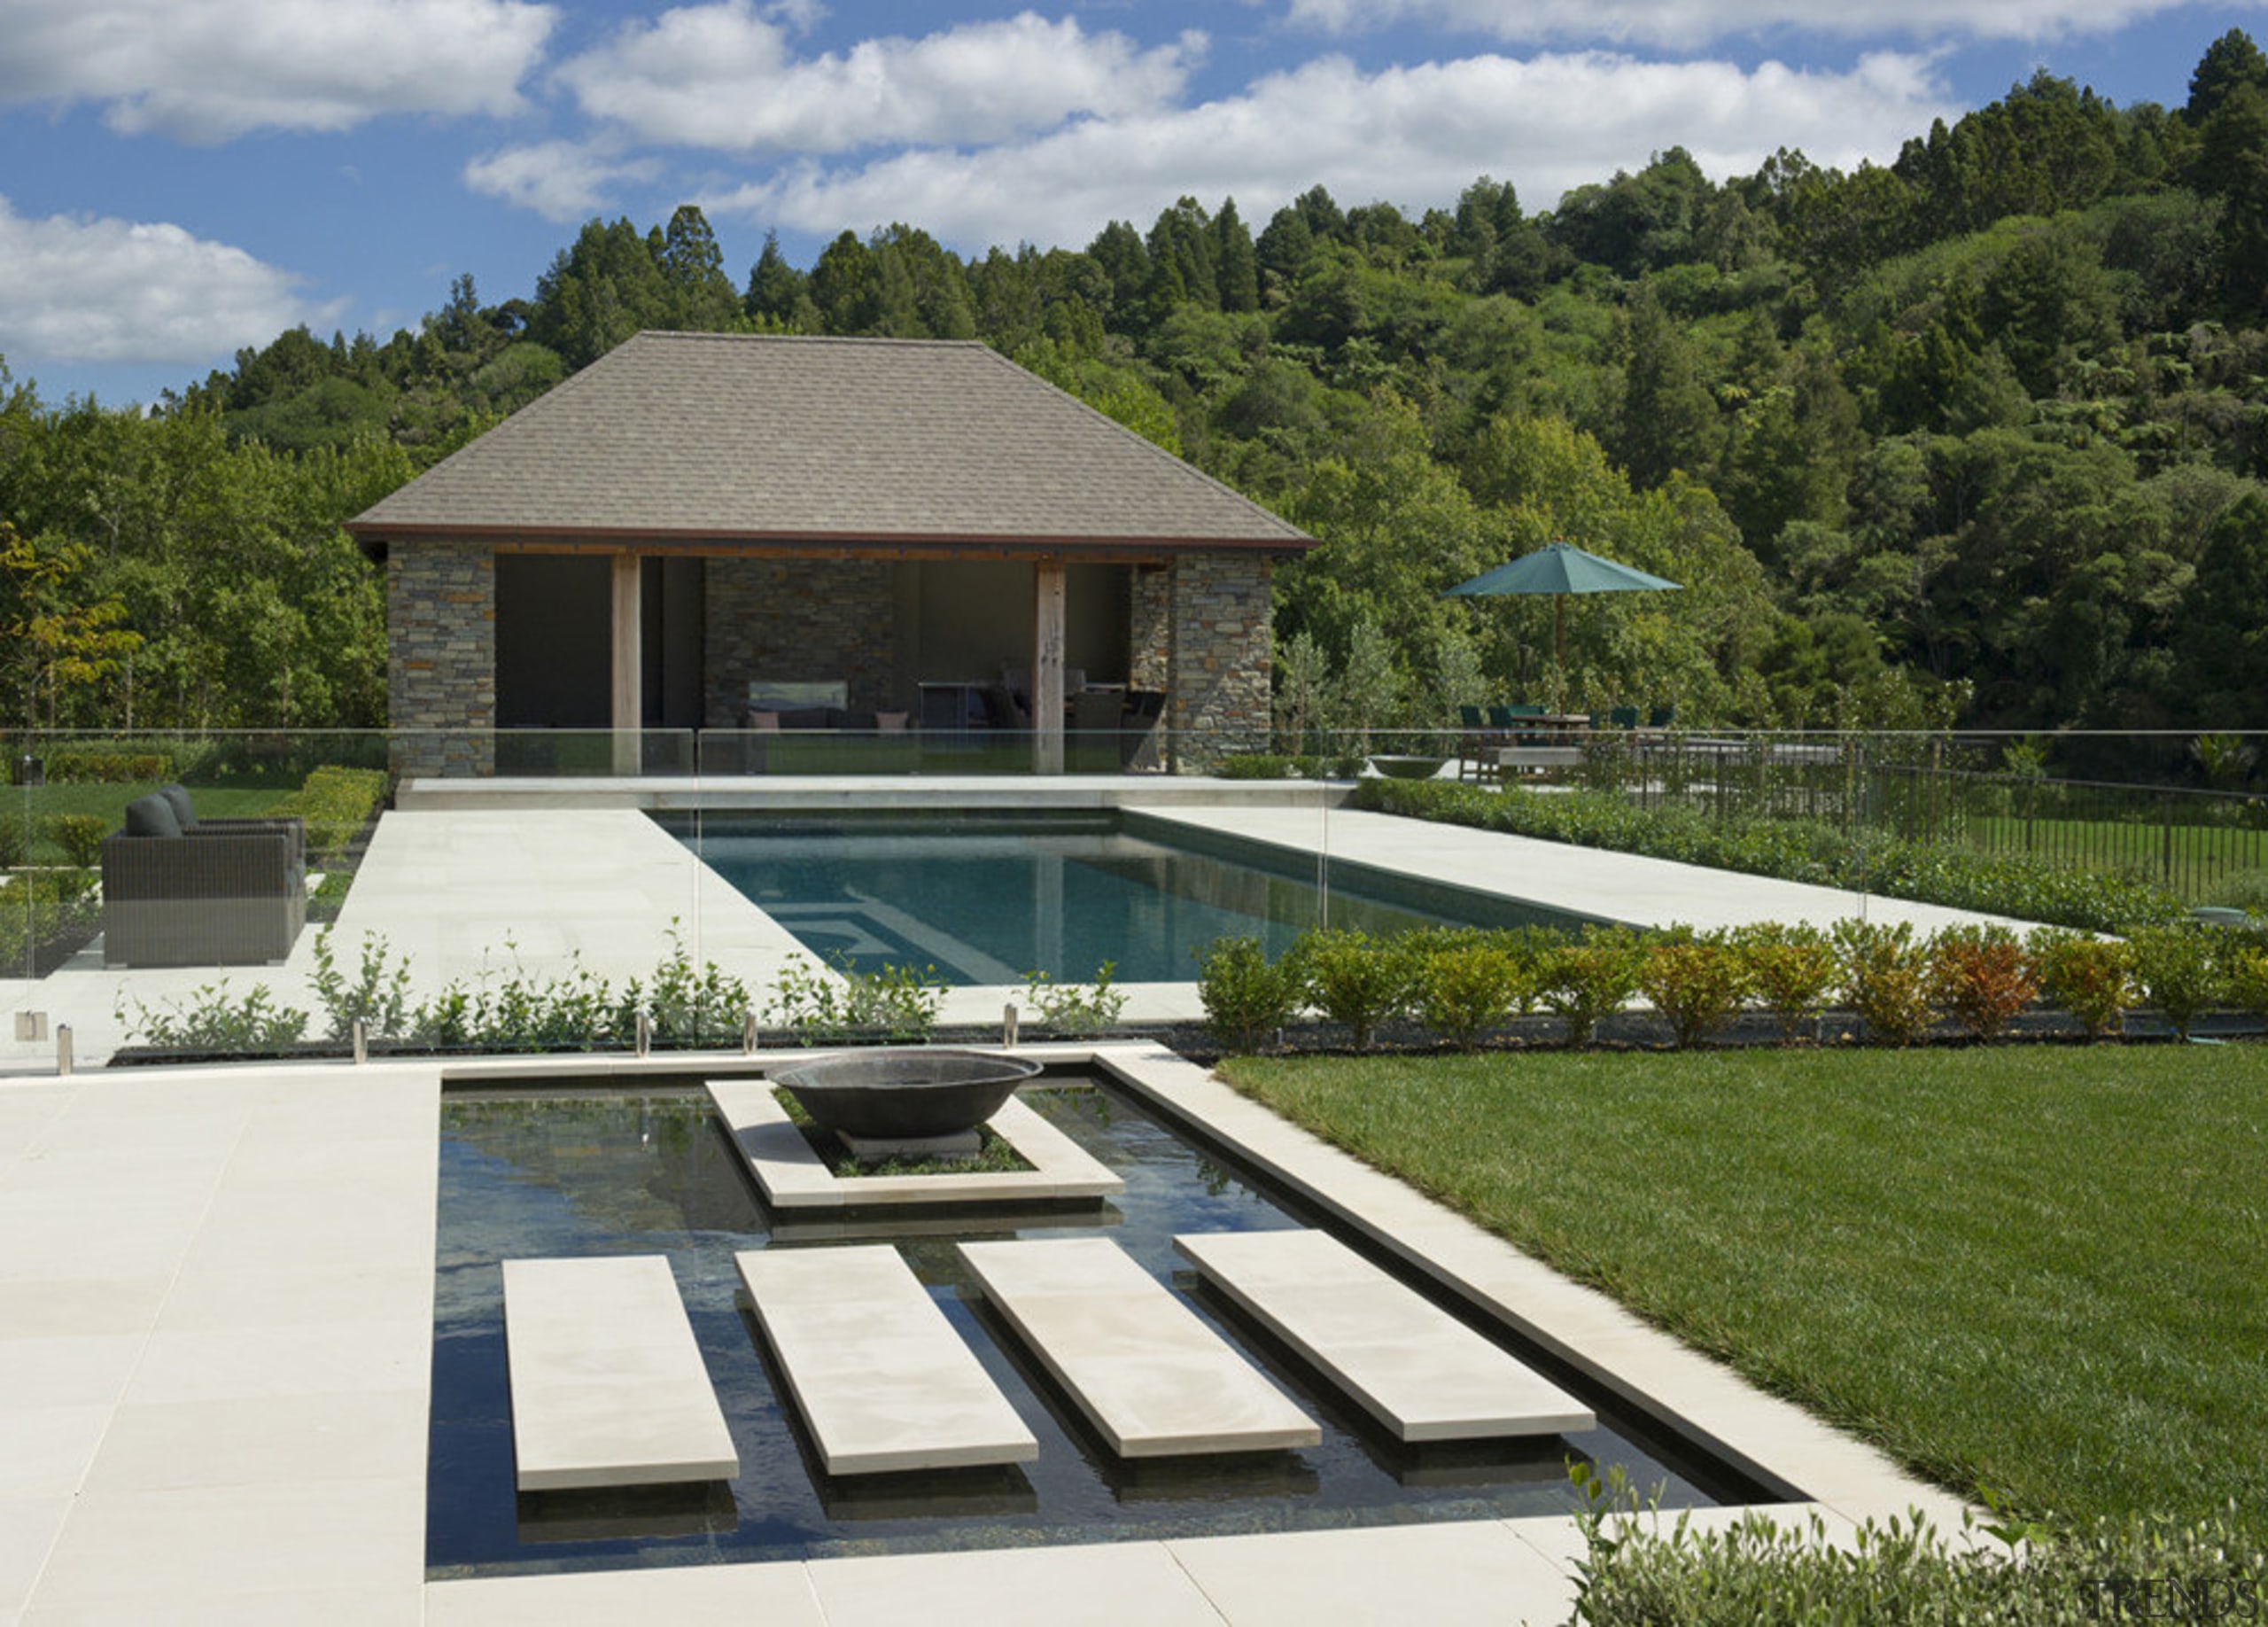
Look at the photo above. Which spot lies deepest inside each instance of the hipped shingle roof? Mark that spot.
(768, 440)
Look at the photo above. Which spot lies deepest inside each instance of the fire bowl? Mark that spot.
(904, 1094)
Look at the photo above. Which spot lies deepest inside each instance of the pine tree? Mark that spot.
(774, 287)
(1236, 263)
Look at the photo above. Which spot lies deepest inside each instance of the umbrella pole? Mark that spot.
(1559, 651)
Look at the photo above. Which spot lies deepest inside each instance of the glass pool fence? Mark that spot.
(478, 890)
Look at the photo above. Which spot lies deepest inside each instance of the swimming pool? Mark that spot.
(988, 897)
(548, 1172)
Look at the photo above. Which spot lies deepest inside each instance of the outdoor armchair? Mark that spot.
(225, 892)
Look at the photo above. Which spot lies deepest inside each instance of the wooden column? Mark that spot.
(1048, 600)
(629, 664)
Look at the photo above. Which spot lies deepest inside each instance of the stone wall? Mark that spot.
(1217, 690)
(1149, 632)
(441, 657)
(796, 621)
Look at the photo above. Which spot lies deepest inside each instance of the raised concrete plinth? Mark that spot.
(793, 1179)
(881, 1380)
(1416, 1369)
(1152, 1378)
(608, 1384)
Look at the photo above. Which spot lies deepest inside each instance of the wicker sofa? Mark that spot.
(178, 890)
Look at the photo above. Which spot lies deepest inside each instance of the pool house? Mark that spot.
(730, 534)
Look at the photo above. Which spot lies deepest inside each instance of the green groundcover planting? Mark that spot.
(2040, 1269)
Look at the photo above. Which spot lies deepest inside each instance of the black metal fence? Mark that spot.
(1941, 789)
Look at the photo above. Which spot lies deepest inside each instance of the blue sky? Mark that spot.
(179, 178)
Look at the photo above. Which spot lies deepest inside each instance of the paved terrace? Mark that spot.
(216, 1294)
(472, 877)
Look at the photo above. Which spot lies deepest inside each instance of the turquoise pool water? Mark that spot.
(991, 899)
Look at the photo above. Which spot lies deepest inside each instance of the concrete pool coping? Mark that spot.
(216, 1298)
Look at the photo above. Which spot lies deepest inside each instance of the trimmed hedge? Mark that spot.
(42, 908)
(1463, 983)
(126, 761)
(336, 803)
(1791, 849)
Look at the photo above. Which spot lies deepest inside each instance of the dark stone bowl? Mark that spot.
(1408, 767)
(900, 1094)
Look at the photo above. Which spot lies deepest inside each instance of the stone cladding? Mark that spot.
(1221, 651)
(796, 621)
(441, 671)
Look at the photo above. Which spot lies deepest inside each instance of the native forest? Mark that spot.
(1977, 439)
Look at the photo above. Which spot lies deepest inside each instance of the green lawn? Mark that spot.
(242, 800)
(2041, 1269)
(2193, 862)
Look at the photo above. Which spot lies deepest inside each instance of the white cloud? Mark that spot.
(1413, 135)
(1693, 22)
(723, 75)
(559, 180)
(80, 289)
(208, 70)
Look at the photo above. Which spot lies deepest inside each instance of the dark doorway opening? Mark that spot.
(554, 654)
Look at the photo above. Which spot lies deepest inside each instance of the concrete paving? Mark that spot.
(608, 1384)
(1152, 1378)
(216, 1284)
(882, 1382)
(794, 1182)
(1583, 882)
(1410, 1365)
(216, 1323)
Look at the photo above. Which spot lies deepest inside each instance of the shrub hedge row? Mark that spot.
(1462, 983)
(1757, 1574)
(336, 803)
(1791, 849)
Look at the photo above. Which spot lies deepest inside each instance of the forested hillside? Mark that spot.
(1977, 436)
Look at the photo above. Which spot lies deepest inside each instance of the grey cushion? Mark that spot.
(151, 816)
(177, 798)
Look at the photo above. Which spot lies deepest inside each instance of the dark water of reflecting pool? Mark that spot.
(531, 1175)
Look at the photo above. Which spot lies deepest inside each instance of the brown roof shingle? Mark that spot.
(722, 437)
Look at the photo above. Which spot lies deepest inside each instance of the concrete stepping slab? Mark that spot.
(1151, 1377)
(1410, 1365)
(882, 1380)
(608, 1388)
(793, 1179)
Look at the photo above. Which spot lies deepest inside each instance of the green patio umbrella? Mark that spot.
(1560, 569)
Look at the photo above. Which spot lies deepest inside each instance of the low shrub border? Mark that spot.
(1791, 849)
(337, 804)
(507, 1008)
(1759, 1574)
(1463, 985)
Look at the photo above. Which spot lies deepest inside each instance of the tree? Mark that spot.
(701, 299)
(1118, 250)
(1236, 264)
(608, 286)
(845, 286)
(1666, 419)
(775, 297)
(59, 637)
(2228, 62)
(2232, 165)
(2221, 650)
